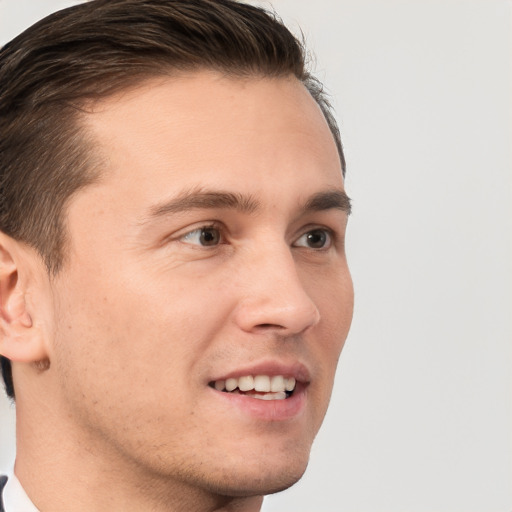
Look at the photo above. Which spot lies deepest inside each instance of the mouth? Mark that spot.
(267, 391)
(261, 387)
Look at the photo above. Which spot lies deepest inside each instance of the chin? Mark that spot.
(258, 479)
(241, 487)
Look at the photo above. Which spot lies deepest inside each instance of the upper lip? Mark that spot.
(295, 369)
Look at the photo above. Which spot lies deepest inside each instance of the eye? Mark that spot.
(315, 239)
(207, 236)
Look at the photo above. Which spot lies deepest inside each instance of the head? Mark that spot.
(172, 217)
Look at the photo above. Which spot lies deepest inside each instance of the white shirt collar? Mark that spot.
(15, 498)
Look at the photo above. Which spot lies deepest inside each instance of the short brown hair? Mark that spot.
(89, 51)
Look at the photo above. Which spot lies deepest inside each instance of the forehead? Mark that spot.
(203, 128)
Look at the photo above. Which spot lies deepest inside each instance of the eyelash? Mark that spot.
(199, 229)
(328, 234)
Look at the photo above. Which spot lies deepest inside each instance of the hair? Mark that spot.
(90, 51)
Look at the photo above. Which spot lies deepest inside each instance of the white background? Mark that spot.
(421, 416)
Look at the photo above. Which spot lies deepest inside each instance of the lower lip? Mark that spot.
(267, 410)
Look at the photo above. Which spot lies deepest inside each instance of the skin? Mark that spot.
(143, 317)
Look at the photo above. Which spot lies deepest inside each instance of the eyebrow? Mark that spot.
(199, 199)
(206, 200)
(328, 200)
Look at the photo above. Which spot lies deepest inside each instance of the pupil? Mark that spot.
(316, 239)
(209, 236)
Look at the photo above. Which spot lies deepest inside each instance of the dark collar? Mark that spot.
(3, 481)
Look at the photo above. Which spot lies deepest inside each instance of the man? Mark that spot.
(174, 288)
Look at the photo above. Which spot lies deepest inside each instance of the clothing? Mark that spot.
(13, 497)
(3, 481)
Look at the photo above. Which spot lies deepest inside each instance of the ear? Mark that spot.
(20, 339)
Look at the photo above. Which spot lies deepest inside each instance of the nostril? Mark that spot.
(268, 311)
(270, 328)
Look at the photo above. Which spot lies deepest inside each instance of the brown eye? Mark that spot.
(207, 236)
(314, 239)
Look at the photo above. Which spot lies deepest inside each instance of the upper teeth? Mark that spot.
(262, 383)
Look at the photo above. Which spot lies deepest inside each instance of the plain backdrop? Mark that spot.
(421, 414)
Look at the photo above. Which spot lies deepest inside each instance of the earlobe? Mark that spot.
(19, 339)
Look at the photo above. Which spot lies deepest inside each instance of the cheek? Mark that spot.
(333, 293)
(138, 326)
(335, 301)
(133, 348)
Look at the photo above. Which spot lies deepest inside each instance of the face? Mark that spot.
(205, 297)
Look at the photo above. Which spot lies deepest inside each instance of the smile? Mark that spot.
(262, 387)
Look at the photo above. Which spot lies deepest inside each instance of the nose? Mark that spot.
(273, 298)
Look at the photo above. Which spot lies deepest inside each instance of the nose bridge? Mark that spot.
(273, 296)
